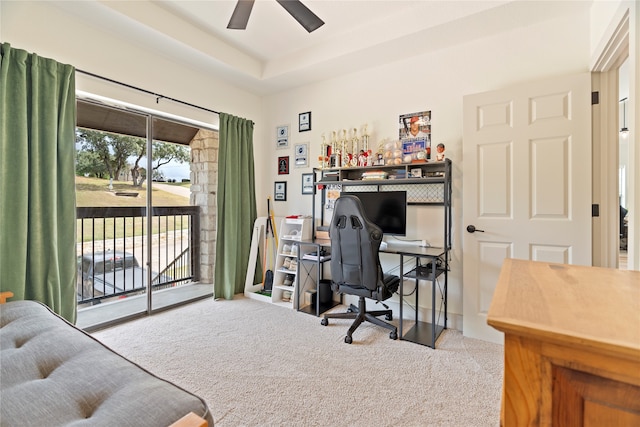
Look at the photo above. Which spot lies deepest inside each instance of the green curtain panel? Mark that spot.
(236, 205)
(37, 180)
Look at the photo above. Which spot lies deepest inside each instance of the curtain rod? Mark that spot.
(157, 95)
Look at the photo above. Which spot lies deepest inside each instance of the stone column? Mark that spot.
(204, 189)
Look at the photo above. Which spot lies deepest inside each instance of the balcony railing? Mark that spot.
(113, 259)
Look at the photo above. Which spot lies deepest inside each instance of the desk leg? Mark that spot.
(297, 289)
(417, 291)
(401, 298)
(446, 290)
(319, 277)
(433, 304)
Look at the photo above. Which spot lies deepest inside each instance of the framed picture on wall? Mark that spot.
(280, 191)
(282, 136)
(302, 158)
(304, 121)
(283, 165)
(307, 183)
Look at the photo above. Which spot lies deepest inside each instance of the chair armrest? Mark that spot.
(190, 420)
(4, 296)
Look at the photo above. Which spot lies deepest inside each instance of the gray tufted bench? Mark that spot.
(54, 374)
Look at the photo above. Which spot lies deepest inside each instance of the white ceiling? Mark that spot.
(275, 53)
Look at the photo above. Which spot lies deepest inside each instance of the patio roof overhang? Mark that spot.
(104, 118)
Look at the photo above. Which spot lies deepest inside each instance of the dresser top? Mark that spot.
(593, 307)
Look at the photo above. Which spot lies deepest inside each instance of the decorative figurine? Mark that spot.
(440, 152)
(362, 159)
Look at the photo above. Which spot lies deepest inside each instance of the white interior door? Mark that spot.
(526, 184)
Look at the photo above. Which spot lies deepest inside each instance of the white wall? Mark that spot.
(52, 32)
(435, 82)
(602, 13)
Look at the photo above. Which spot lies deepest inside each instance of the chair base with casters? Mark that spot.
(360, 315)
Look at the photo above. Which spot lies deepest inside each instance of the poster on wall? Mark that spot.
(415, 136)
(332, 193)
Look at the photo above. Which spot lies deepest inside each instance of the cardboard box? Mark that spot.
(322, 235)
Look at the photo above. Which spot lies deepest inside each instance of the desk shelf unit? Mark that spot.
(426, 333)
(309, 283)
(432, 188)
(426, 184)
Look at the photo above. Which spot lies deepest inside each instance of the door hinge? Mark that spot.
(595, 210)
(595, 98)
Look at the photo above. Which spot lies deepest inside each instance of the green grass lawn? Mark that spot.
(94, 192)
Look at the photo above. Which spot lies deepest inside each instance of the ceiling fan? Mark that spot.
(300, 12)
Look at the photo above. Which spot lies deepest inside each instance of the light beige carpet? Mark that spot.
(261, 365)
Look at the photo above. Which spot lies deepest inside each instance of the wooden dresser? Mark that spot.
(572, 344)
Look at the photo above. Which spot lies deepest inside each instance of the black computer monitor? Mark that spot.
(386, 209)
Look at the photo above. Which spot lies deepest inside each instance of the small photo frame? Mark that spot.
(307, 183)
(280, 191)
(283, 165)
(302, 156)
(282, 136)
(304, 121)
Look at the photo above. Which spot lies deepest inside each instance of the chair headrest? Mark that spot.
(348, 211)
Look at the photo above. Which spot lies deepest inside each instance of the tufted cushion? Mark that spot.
(53, 374)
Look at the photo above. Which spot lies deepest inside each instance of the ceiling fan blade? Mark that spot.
(302, 14)
(240, 15)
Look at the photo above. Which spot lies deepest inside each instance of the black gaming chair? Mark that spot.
(355, 266)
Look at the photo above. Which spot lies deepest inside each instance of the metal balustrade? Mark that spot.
(113, 251)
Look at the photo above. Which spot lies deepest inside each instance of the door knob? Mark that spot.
(473, 229)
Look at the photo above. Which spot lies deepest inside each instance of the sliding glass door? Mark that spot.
(138, 233)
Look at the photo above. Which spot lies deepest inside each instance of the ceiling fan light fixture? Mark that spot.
(624, 131)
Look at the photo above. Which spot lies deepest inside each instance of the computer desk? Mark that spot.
(425, 333)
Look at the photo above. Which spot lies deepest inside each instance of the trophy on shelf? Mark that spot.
(334, 157)
(346, 156)
(323, 158)
(367, 159)
(354, 157)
